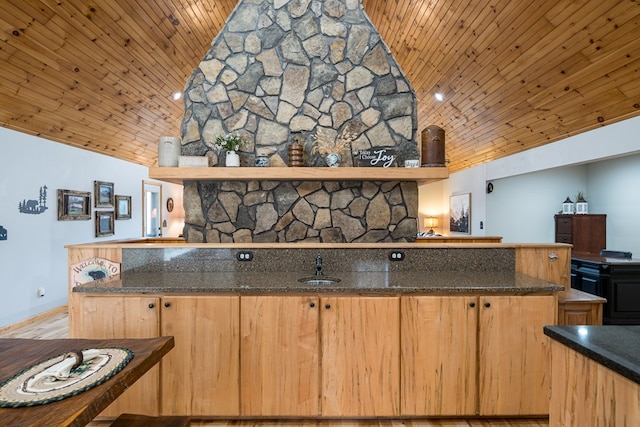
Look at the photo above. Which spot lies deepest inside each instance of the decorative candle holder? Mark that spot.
(568, 207)
(296, 154)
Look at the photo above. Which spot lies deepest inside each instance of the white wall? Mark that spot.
(613, 187)
(521, 208)
(33, 255)
(529, 187)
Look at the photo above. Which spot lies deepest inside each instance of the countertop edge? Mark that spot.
(594, 352)
(177, 243)
(319, 289)
(354, 282)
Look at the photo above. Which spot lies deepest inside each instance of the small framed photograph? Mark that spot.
(103, 193)
(460, 213)
(123, 207)
(104, 223)
(74, 205)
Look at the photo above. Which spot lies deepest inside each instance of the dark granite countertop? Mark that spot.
(616, 347)
(350, 282)
(597, 259)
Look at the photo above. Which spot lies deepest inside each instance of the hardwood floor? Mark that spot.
(52, 325)
(56, 325)
(368, 423)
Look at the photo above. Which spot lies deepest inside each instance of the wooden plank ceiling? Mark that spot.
(99, 74)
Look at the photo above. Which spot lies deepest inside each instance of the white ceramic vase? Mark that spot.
(169, 148)
(333, 160)
(232, 159)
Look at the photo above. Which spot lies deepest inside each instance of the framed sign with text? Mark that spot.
(379, 157)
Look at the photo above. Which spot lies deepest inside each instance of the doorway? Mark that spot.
(151, 209)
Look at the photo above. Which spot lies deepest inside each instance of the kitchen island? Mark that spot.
(409, 330)
(595, 375)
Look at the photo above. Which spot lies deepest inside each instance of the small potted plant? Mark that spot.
(582, 207)
(230, 142)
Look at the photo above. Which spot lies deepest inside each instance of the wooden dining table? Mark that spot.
(18, 354)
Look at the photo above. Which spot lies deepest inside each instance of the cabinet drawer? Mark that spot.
(563, 225)
(564, 238)
(591, 285)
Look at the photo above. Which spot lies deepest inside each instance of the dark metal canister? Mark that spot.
(433, 146)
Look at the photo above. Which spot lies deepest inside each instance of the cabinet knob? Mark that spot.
(472, 304)
(167, 304)
(327, 306)
(151, 305)
(487, 304)
(312, 304)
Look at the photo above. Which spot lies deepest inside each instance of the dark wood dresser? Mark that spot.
(587, 233)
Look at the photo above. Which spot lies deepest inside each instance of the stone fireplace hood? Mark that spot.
(283, 70)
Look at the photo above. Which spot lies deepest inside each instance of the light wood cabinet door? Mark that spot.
(280, 358)
(439, 355)
(200, 375)
(580, 314)
(360, 341)
(105, 317)
(514, 354)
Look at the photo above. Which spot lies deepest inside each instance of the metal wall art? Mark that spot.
(3, 233)
(74, 205)
(104, 223)
(35, 206)
(103, 192)
(123, 207)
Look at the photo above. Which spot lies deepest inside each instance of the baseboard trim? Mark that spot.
(34, 319)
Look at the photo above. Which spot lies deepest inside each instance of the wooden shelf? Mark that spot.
(179, 175)
(459, 239)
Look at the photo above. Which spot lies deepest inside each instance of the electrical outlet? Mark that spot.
(41, 292)
(396, 255)
(244, 256)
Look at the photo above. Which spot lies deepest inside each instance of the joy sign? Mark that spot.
(377, 157)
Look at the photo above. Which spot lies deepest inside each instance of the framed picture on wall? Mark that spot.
(460, 213)
(103, 192)
(104, 223)
(123, 207)
(74, 205)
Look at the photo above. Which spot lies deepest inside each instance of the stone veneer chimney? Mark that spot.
(280, 70)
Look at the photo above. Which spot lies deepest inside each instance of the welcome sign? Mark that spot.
(377, 157)
(93, 269)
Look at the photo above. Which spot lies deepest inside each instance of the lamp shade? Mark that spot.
(430, 221)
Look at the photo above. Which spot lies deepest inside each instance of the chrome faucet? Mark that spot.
(319, 266)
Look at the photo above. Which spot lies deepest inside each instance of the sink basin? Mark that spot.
(319, 280)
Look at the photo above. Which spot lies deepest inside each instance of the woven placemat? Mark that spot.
(28, 389)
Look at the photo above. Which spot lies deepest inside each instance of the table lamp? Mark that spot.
(430, 222)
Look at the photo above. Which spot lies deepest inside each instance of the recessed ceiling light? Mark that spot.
(438, 96)
(177, 95)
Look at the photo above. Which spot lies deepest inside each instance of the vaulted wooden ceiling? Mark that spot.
(100, 74)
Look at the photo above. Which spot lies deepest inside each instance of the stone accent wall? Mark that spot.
(281, 70)
(271, 211)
